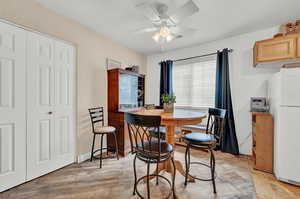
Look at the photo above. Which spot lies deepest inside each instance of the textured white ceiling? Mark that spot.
(216, 19)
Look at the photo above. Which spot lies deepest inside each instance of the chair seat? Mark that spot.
(199, 138)
(166, 149)
(194, 127)
(105, 129)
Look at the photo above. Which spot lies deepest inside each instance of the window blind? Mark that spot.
(194, 83)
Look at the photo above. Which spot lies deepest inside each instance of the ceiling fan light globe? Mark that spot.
(164, 31)
(156, 37)
(169, 38)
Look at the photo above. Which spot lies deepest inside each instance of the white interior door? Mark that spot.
(12, 106)
(50, 124)
(40, 102)
(64, 138)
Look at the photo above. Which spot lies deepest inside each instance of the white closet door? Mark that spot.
(50, 124)
(12, 107)
(40, 102)
(64, 138)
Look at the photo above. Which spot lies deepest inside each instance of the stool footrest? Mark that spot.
(203, 179)
(107, 157)
(153, 175)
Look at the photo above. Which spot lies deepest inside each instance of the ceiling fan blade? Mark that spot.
(146, 30)
(148, 11)
(186, 10)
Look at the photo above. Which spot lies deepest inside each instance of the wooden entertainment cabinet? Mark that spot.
(124, 87)
(262, 136)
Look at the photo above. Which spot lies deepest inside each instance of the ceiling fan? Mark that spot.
(166, 26)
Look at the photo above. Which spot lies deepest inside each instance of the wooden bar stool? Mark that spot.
(97, 117)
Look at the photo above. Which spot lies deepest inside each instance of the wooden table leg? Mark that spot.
(168, 167)
(170, 135)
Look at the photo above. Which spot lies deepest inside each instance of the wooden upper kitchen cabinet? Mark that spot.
(277, 49)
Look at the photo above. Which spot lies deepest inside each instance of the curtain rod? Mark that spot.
(230, 50)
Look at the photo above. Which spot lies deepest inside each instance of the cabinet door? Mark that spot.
(12, 106)
(275, 50)
(298, 47)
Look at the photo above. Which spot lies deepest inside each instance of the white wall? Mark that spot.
(246, 81)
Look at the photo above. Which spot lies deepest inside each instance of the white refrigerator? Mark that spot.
(284, 99)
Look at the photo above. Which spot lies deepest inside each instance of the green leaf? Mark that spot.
(168, 98)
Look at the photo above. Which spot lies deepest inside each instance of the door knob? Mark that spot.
(50, 113)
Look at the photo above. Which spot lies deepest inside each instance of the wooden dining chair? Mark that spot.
(97, 120)
(206, 141)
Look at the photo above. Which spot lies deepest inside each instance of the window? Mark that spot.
(194, 83)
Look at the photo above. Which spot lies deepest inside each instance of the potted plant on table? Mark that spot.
(169, 100)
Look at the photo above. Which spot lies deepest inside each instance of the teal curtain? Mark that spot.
(228, 140)
(166, 75)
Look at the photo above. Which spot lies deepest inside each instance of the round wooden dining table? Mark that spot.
(178, 118)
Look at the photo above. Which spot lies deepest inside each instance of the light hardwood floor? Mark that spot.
(235, 180)
(267, 187)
